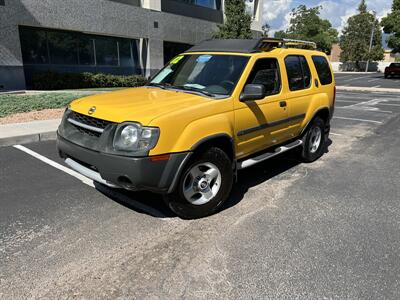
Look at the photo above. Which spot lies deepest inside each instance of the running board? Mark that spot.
(267, 155)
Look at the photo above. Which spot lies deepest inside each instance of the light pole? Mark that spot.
(371, 40)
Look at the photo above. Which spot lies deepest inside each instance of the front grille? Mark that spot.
(87, 131)
(89, 120)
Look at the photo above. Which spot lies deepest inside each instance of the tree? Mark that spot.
(237, 22)
(391, 25)
(356, 35)
(265, 29)
(306, 24)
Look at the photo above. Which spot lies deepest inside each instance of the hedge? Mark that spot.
(59, 81)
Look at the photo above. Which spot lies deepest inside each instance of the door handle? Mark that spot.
(282, 104)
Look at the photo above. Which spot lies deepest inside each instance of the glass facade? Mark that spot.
(172, 49)
(213, 4)
(56, 47)
(210, 10)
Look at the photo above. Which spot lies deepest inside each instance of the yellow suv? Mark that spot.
(222, 106)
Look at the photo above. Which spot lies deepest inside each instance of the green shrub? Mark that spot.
(59, 81)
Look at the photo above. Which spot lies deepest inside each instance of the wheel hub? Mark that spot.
(315, 139)
(202, 183)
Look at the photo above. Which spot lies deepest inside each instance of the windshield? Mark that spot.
(395, 65)
(209, 74)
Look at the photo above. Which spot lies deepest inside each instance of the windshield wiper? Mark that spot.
(160, 85)
(193, 89)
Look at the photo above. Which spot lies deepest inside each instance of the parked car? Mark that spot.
(222, 106)
(392, 70)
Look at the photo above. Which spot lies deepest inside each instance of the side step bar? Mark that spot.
(257, 159)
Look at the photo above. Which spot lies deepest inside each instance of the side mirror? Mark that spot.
(252, 92)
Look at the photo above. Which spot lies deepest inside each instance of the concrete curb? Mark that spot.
(366, 89)
(29, 132)
(29, 138)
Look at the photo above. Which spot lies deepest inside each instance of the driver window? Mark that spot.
(266, 72)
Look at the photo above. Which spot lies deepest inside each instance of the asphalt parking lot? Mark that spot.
(375, 80)
(329, 229)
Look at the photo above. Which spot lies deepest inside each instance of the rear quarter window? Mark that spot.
(323, 69)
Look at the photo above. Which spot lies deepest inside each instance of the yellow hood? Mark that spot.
(136, 104)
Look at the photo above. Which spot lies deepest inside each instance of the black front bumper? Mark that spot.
(133, 173)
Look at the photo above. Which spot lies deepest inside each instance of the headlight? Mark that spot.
(134, 137)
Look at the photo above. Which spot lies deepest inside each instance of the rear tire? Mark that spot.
(314, 141)
(205, 184)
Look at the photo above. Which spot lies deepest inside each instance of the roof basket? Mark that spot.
(268, 44)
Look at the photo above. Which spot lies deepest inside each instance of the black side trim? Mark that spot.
(272, 124)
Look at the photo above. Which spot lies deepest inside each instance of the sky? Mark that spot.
(277, 12)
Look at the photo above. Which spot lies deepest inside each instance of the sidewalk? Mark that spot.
(22, 133)
(366, 89)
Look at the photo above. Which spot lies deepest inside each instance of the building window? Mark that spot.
(126, 56)
(86, 51)
(213, 4)
(210, 10)
(63, 48)
(172, 49)
(106, 52)
(56, 47)
(34, 46)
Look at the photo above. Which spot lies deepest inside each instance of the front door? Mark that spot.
(262, 123)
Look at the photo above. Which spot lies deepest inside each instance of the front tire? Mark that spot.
(314, 141)
(205, 184)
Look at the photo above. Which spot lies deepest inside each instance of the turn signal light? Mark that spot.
(160, 157)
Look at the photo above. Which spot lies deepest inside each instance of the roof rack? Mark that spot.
(249, 46)
(267, 44)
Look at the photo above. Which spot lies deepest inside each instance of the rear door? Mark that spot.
(300, 85)
(260, 123)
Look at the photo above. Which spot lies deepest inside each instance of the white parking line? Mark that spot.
(90, 183)
(334, 133)
(351, 101)
(365, 108)
(355, 78)
(372, 80)
(354, 119)
(52, 163)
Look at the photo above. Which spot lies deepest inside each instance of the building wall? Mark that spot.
(136, 19)
(335, 53)
(104, 17)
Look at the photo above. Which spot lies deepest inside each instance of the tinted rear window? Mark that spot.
(394, 65)
(323, 69)
(298, 72)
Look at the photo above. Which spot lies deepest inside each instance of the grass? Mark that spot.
(18, 103)
(98, 89)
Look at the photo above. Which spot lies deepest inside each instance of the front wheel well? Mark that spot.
(223, 142)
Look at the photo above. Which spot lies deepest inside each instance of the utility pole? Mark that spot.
(371, 40)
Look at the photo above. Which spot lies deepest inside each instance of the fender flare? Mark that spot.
(193, 149)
